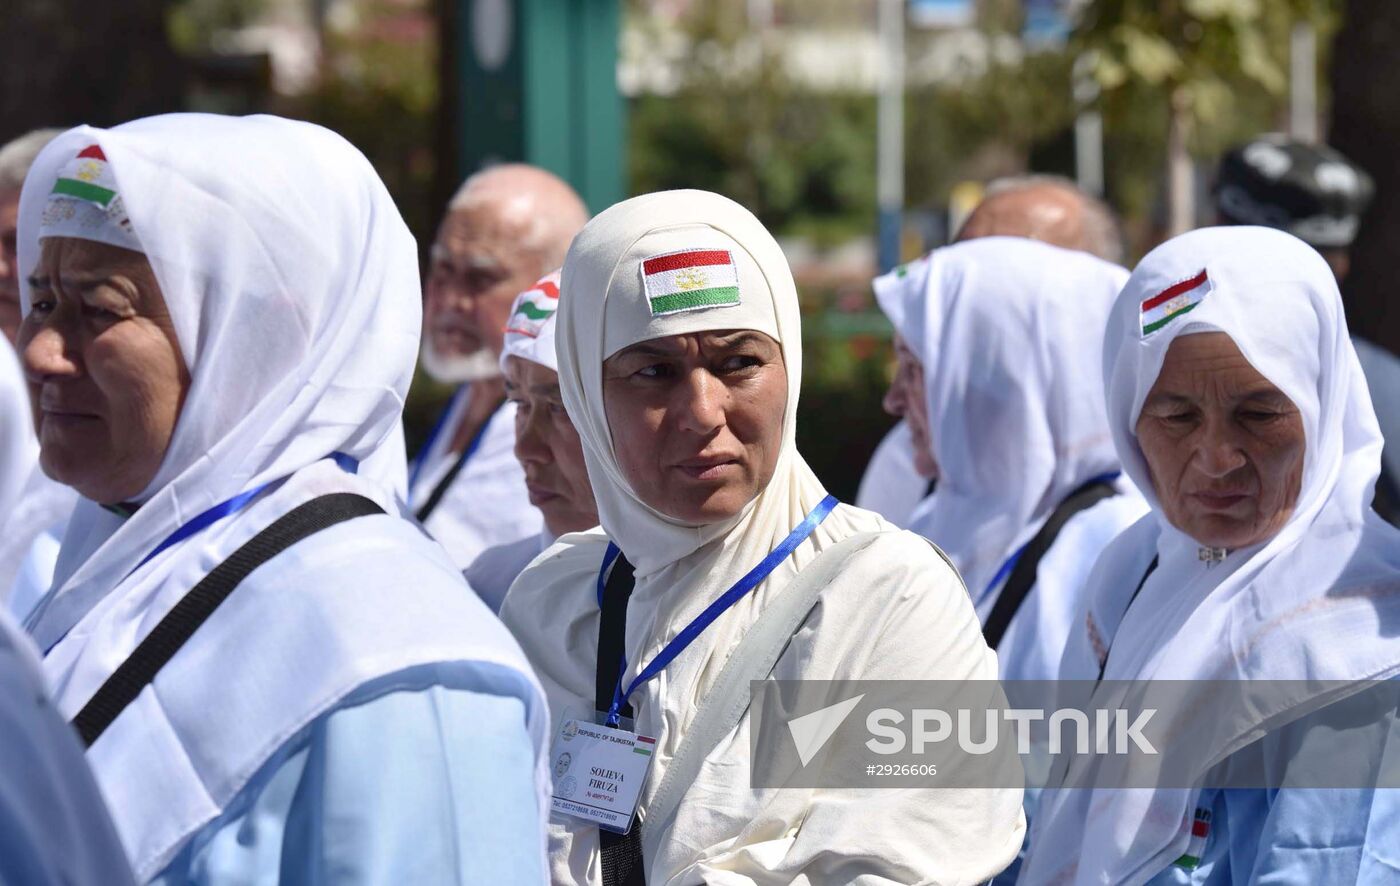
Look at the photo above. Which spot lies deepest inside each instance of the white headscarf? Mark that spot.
(607, 258)
(530, 329)
(1008, 331)
(237, 256)
(1312, 603)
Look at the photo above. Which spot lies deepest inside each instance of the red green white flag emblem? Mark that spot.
(534, 306)
(86, 177)
(1172, 302)
(690, 280)
(1196, 846)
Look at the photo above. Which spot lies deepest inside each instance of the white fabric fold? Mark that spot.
(1309, 604)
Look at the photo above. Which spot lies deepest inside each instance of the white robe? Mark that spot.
(493, 571)
(898, 613)
(487, 504)
(356, 611)
(1035, 639)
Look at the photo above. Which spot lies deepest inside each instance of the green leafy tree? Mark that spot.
(1204, 67)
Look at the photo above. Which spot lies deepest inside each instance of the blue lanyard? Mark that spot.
(1015, 557)
(417, 467)
(203, 521)
(702, 621)
(1005, 569)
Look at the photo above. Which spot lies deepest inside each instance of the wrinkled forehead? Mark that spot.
(89, 259)
(682, 280)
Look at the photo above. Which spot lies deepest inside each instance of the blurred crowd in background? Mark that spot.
(840, 123)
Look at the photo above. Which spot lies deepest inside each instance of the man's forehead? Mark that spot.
(467, 254)
(535, 377)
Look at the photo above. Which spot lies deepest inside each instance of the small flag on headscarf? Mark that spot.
(1172, 302)
(690, 280)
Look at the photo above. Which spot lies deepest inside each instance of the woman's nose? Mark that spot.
(1218, 452)
(703, 399)
(530, 445)
(45, 353)
(894, 401)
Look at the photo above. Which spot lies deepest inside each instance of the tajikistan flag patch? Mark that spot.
(690, 280)
(1172, 302)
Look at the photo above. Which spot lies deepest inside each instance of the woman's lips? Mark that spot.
(540, 495)
(1219, 501)
(709, 467)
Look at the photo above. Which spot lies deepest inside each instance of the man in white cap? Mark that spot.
(546, 443)
(504, 229)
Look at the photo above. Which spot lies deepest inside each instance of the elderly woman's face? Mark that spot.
(906, 399)
(548, 448)
(697, 420)
(1223, 445)
(105, 372)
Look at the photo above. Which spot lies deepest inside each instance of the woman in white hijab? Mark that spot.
(998, 341)
(221, 323)
(1238, 406)
(546, 442)
(680, 362)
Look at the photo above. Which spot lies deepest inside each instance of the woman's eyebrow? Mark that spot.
(739, 339)
(1166, 398)
(1271, 396)
(644, 349)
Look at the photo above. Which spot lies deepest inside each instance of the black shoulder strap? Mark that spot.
(180, 623)
(1151, 567)
(622, 853)
(1022, 577)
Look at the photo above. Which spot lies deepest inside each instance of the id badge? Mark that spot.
(599, 772)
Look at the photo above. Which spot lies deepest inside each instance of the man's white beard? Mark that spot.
(479, 365)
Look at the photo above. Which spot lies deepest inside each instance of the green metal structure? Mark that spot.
(538, 84)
